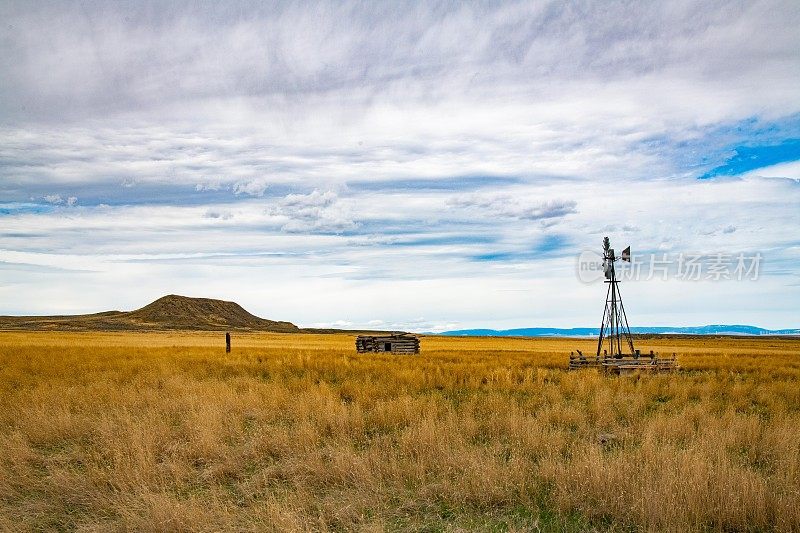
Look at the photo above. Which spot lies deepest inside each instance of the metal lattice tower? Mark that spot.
(614, 326)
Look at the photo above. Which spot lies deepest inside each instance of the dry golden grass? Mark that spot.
(166, 432)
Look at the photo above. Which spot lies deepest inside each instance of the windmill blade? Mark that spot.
(626, 254)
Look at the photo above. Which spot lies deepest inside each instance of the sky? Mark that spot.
(419, 166)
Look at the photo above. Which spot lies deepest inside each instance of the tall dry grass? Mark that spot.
(165, 432)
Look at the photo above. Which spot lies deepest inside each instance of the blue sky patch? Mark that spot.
(547, 246)
(24, 208)
(749, 158)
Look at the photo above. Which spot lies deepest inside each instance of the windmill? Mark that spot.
(615, 351)
(614, 327)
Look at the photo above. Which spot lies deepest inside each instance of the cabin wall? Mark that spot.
(394, 344)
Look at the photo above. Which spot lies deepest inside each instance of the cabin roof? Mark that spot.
(389, 336)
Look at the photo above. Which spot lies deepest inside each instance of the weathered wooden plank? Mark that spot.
(400, 344)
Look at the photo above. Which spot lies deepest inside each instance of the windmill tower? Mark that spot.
(614, 329)
(615, 351)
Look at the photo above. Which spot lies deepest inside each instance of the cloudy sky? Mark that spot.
(421, 166)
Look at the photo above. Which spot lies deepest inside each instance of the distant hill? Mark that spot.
(167, 313)
(719, 329)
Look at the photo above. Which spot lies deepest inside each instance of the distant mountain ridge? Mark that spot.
(171, 312)
(716, 329)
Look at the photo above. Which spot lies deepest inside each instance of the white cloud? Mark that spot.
(313, 212)
(301, 52)
(789, 170)
(211, 186)
(313, 200)
(53, 199)
(256, 187)
(516, 207)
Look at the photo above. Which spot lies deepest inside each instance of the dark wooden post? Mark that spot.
(227, 343)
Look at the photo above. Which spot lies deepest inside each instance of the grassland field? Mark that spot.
(297, 432)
